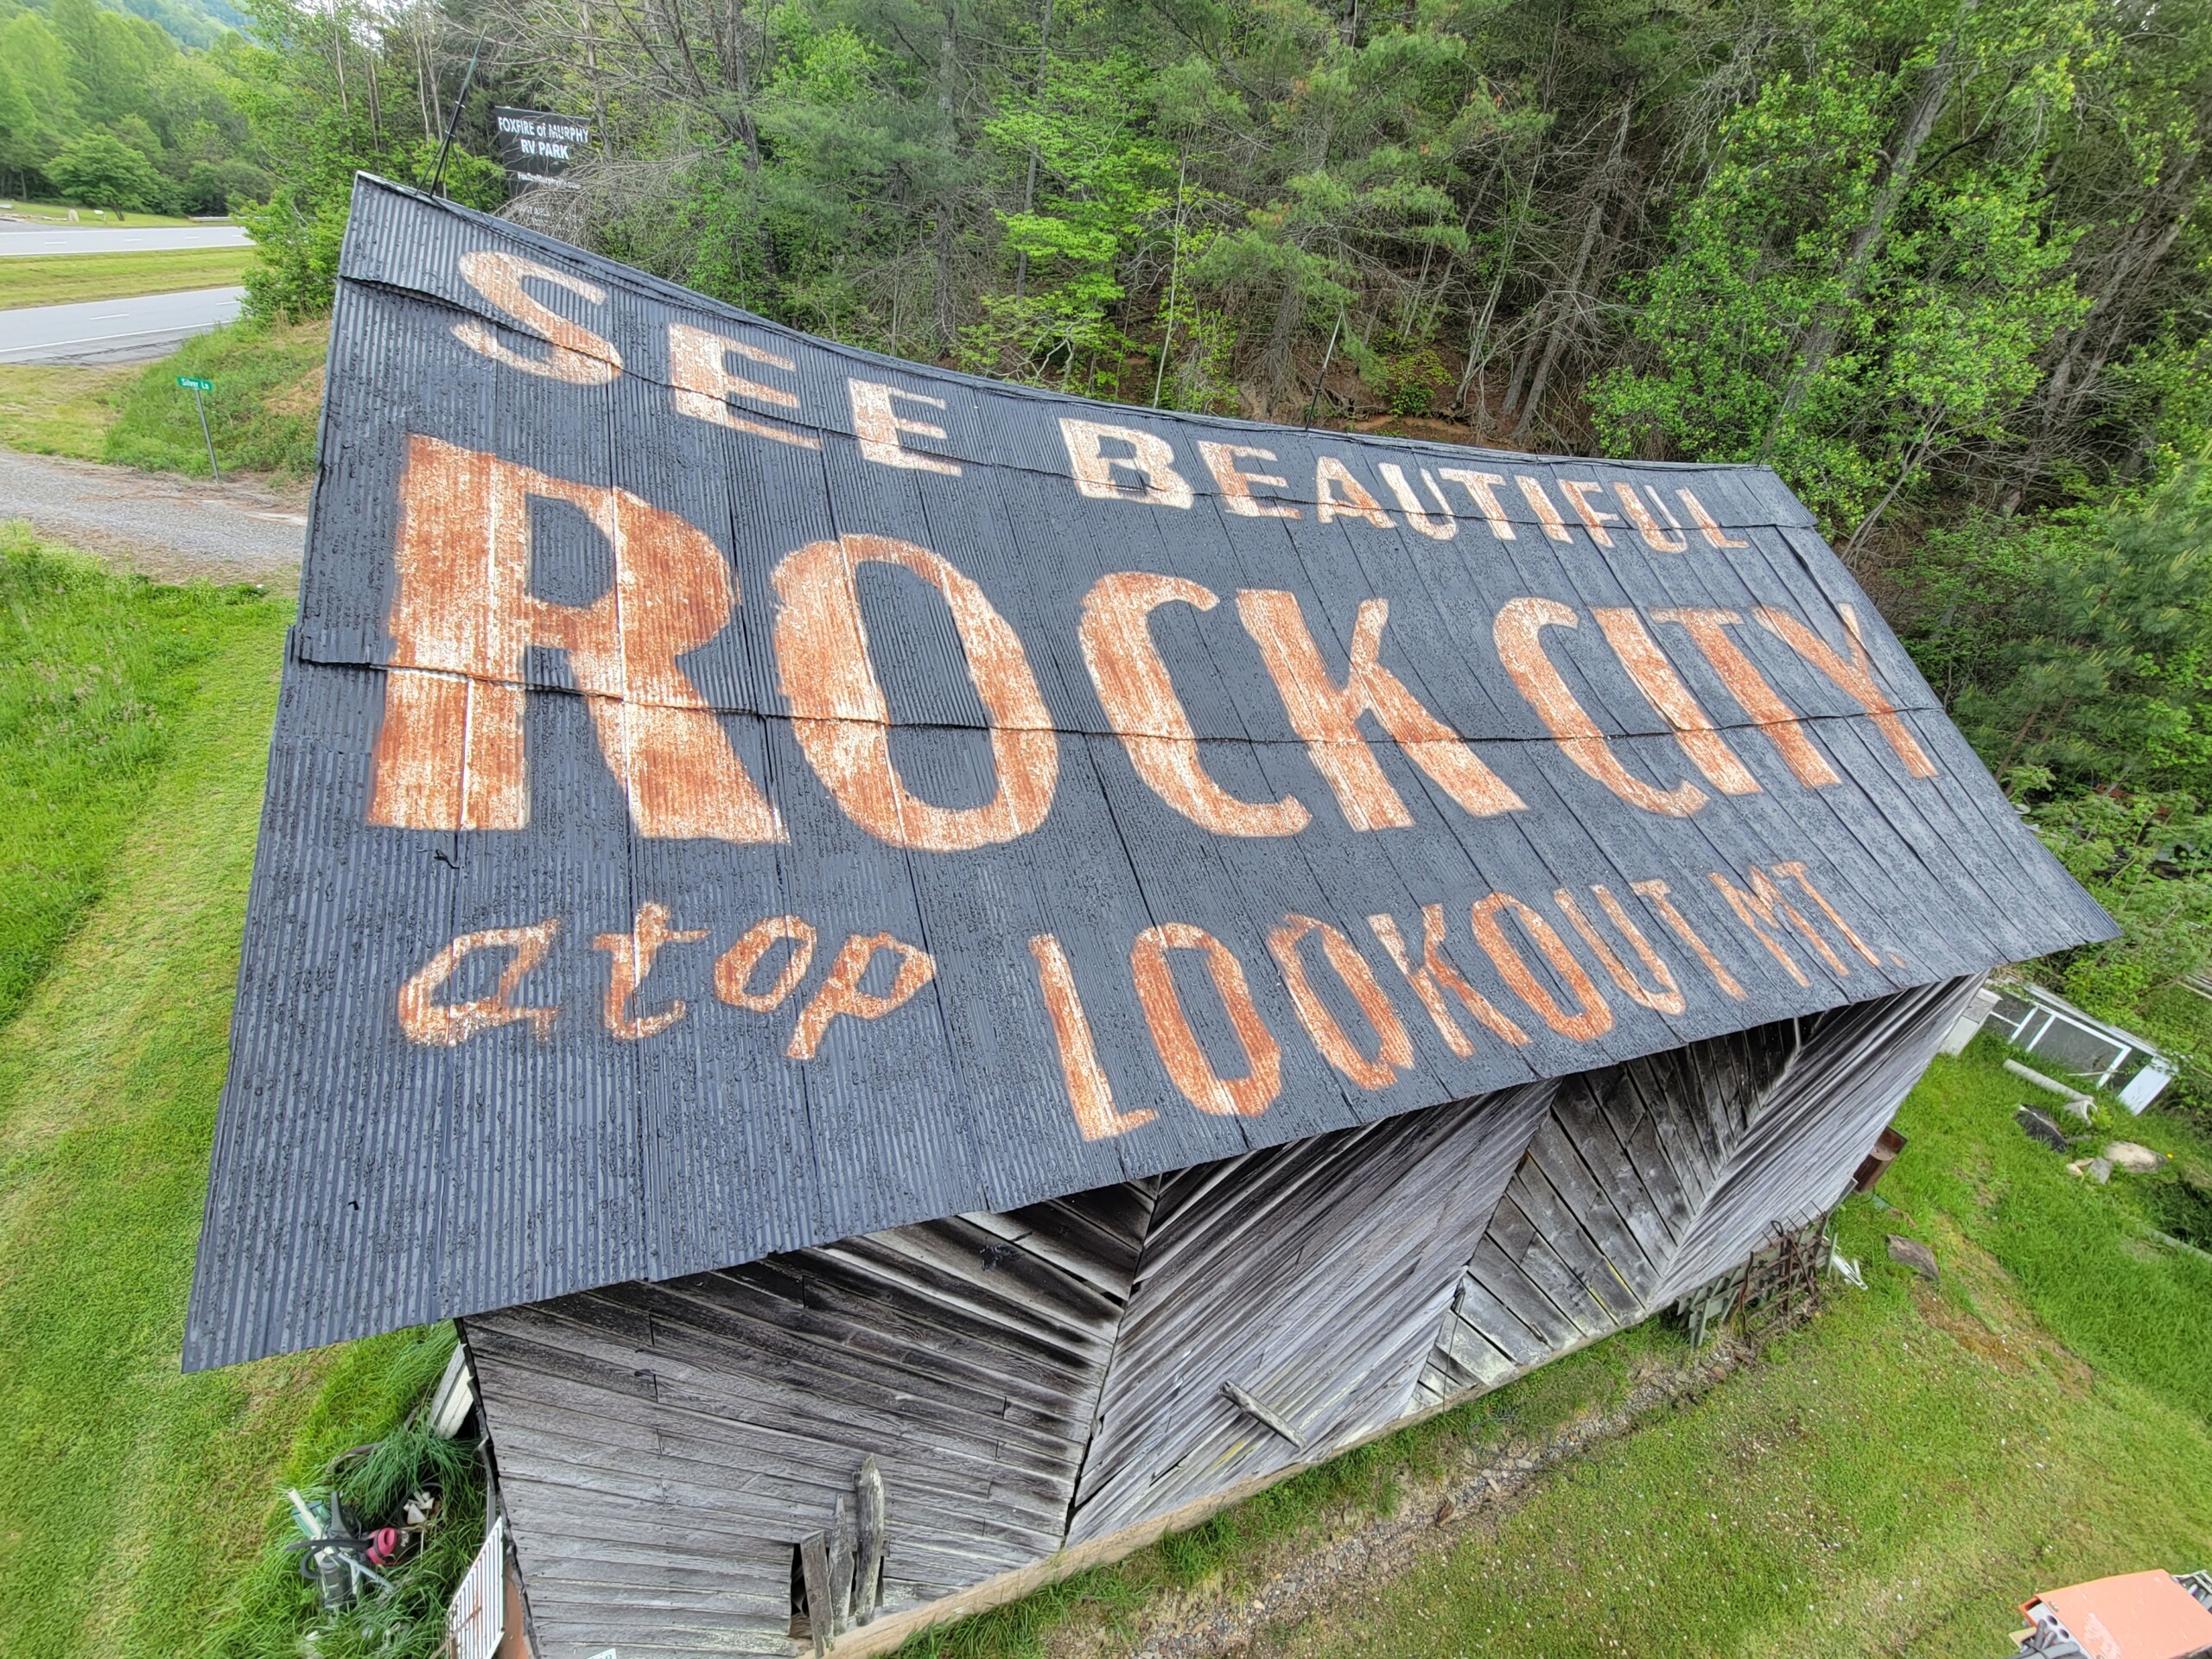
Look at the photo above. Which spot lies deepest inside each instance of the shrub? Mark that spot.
(102, 171)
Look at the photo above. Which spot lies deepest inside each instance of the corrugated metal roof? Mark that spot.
(732, 791)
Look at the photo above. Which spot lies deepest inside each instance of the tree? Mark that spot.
(38, 100)
(102, 171)
(1863, 280)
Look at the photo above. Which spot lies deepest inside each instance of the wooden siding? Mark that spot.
(1061, 1375)
(1310, 1277)
(1609, 1189)
(663, 1448)
(1821, 1119)
(1649, 1179)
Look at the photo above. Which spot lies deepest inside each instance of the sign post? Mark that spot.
(199, 389)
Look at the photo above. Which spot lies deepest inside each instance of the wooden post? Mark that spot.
(868, 1563)
(821, 1607)
(840, 1567)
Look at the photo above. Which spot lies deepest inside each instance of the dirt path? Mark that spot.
(172, 529)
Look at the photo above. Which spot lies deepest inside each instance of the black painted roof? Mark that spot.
(388, 1155)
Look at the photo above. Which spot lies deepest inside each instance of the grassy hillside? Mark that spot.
(134, 727)
(1901, 1475)
(262, 413)
(1895, 1477)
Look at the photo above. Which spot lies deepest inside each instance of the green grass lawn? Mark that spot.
(59, 410)
(57, 213)
(134, 729)
(262, 413)
(66, 279)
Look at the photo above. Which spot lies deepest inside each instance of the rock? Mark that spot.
(2099, 1170)
(1911, 1253)
(2136, 1161)
(2039, 1126)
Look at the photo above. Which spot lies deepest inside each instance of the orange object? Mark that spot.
(2135, 1615)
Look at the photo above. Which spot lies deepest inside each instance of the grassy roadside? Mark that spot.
(68, 279)
(263, 412)
(57, 213)
(59, 410)
(136, 1498)
(95, 672)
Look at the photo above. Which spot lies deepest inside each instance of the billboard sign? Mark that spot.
(732, 791)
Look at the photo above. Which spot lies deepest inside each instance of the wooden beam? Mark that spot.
(1251, 1407)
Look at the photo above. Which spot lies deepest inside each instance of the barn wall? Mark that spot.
(1053, 1379)
(1650, 1178)
(1312, 1278)
(1819, 1121)
(663, 1448)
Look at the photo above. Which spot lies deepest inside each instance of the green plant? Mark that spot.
(368, 1441)
(101, 170)
(409, 1620)
(262, 413)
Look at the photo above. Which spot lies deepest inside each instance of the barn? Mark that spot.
(946, 977)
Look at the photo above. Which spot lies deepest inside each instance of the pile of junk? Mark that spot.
(2150, 1615)
(380, 1522)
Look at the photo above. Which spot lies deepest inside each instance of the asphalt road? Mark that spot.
(20, 240)
(172, 529)
(114, 331)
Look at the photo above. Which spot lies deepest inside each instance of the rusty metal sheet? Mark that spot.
(732, 791)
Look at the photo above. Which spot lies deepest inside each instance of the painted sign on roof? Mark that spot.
(732, 791)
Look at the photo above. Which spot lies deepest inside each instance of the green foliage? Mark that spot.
(102, 171)
(1856, 289)
(2075, 649)
(38, 95)
(2148, 860)
(101, 106)
(1104, 183)
(261, 414)
(329, 92)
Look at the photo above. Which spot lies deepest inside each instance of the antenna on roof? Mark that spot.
(438, 173)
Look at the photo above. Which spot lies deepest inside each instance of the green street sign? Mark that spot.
(193, 383)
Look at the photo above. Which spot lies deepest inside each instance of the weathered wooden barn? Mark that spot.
(946, 977)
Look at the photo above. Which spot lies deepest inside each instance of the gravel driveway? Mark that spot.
(173, 529)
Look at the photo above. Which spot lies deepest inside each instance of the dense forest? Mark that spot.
(1944, 265)
(118, 110)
